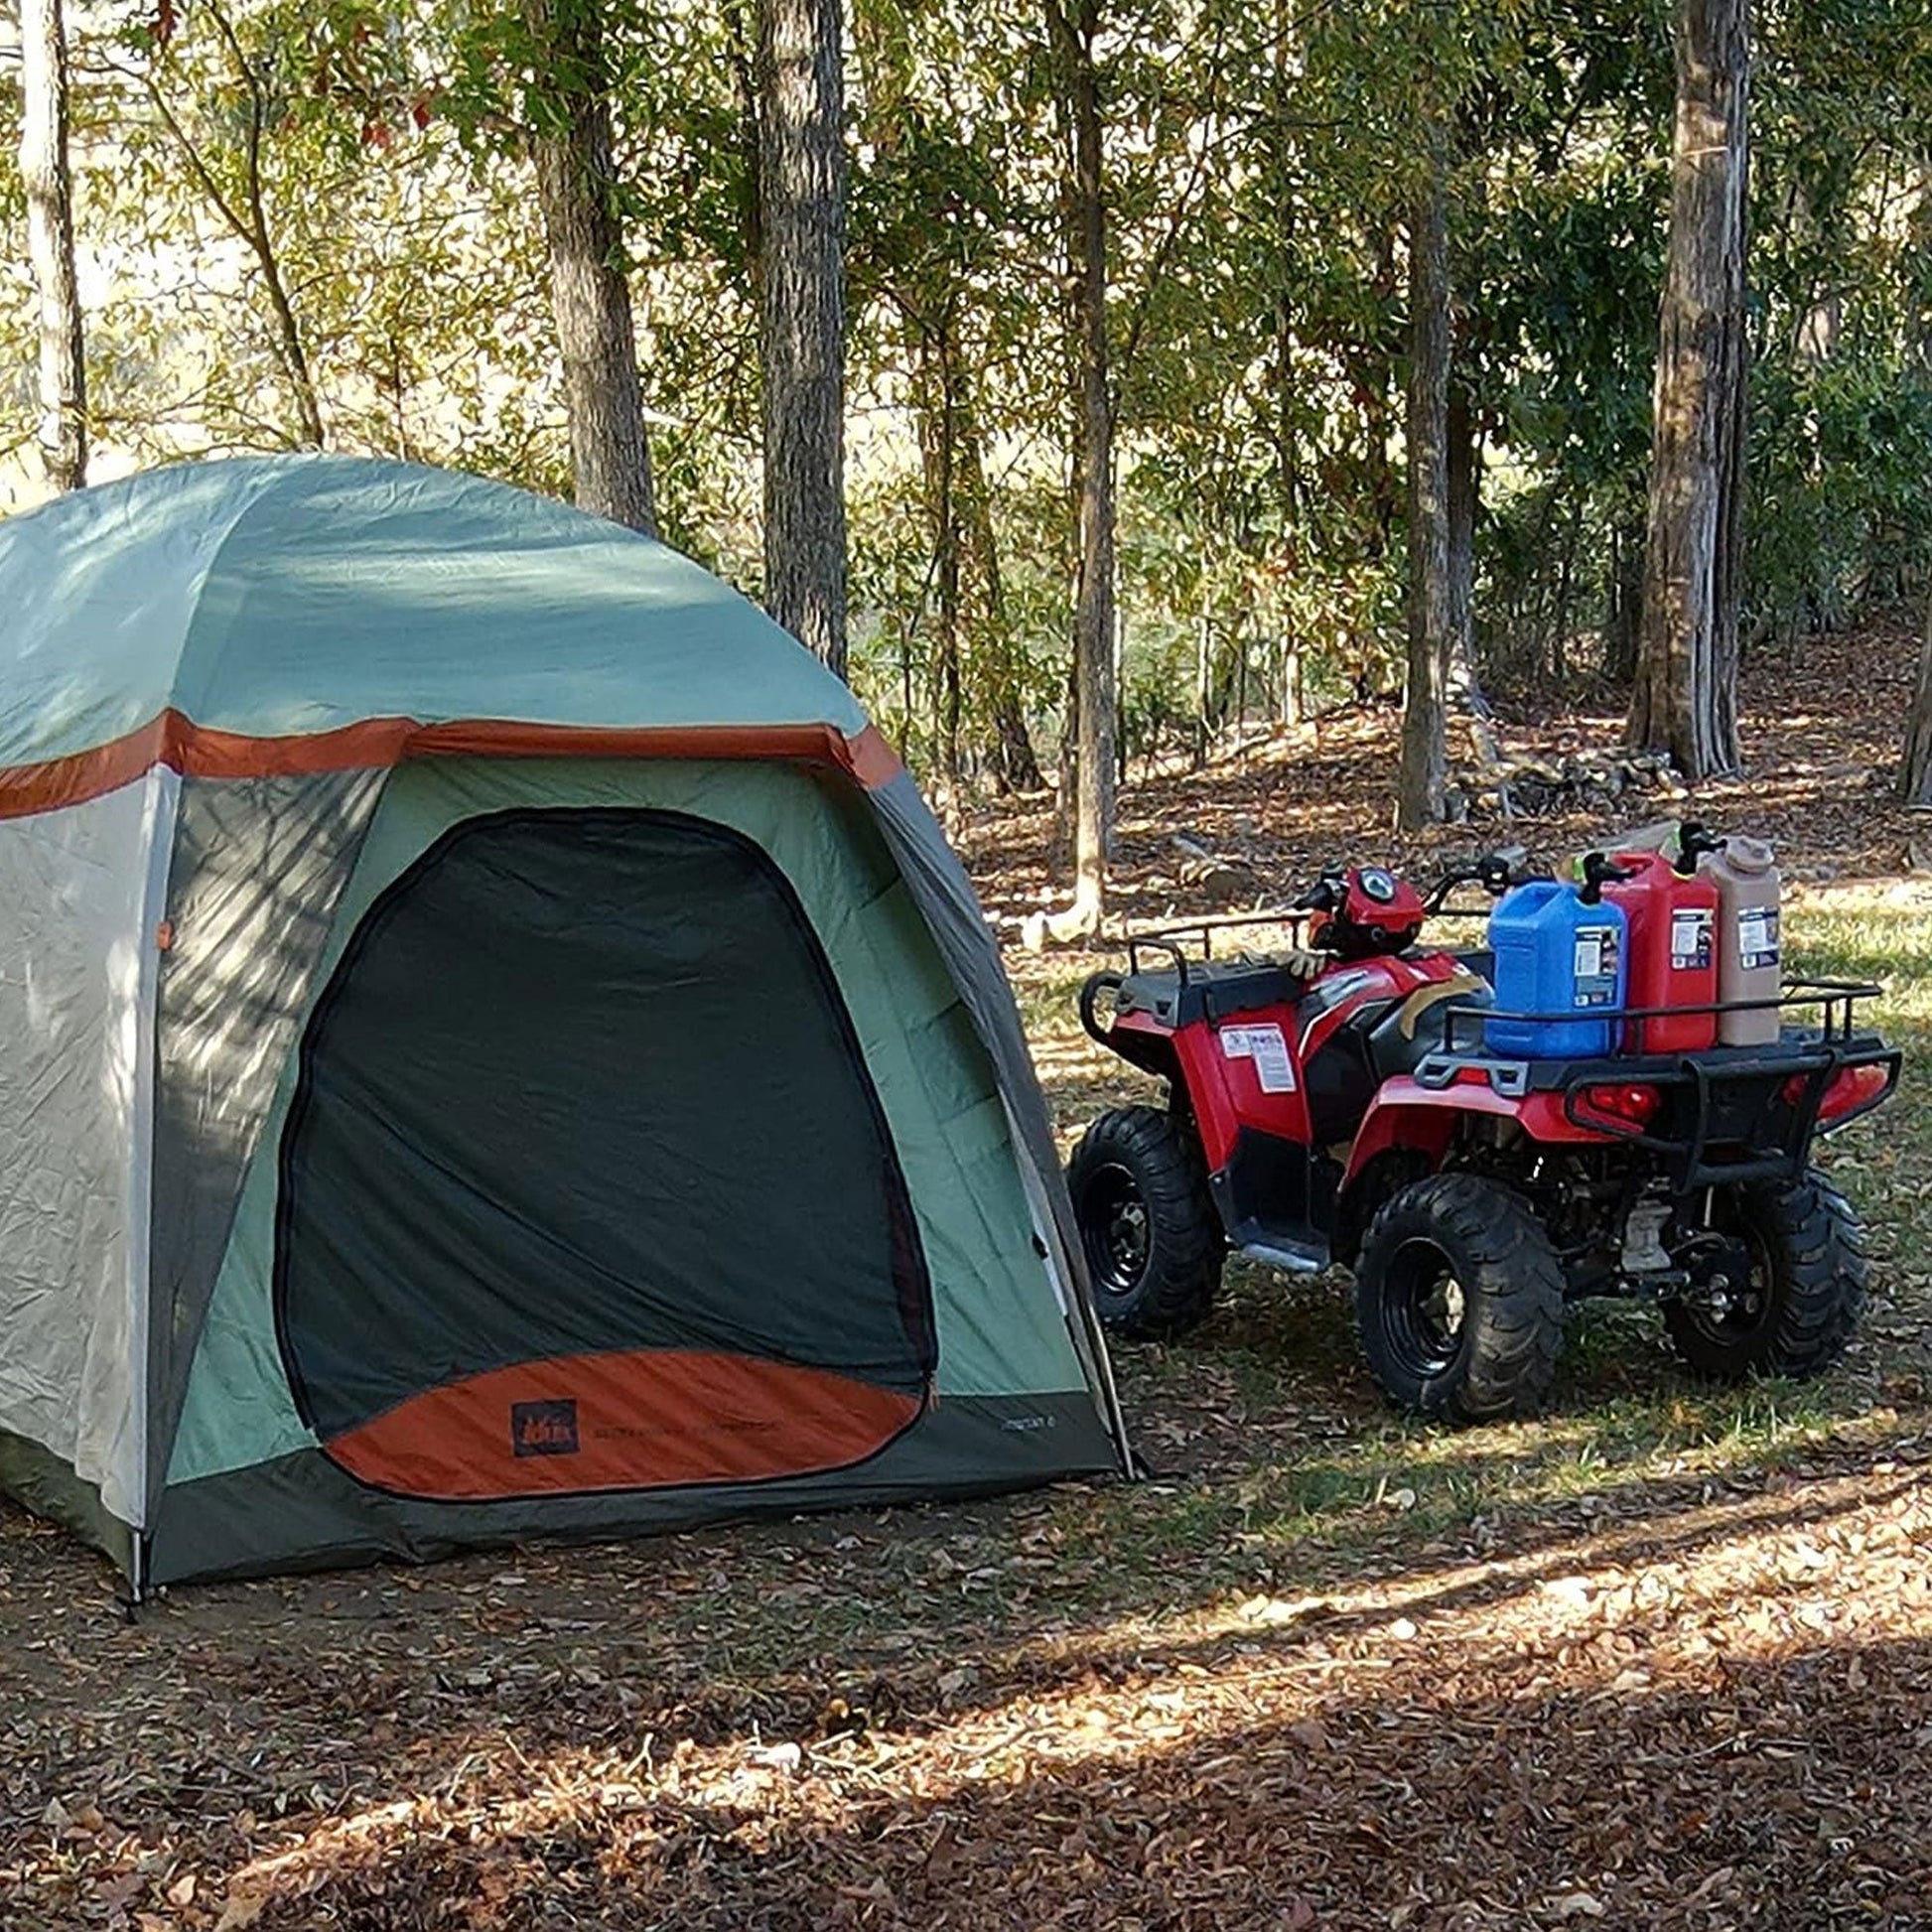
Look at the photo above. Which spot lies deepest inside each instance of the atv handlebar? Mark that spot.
(1492, 872)
(1326, 893)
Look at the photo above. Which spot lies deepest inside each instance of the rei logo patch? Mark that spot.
(543, 1427)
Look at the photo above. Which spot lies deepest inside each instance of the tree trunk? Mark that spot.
(589, 294)
(1423, 779)
(1465, 485)
(49, 185)
(1559, 621)
(1203, 689)
(1295, 707)
(1918, 328)
(1374, 375)
(1015, 765)
(939, 450)
(1074, 25)
(1915, 771)
(1685, 699)
(802, 338)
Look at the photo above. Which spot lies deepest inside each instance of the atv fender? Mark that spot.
(1139, 1040)
(1405, 1115)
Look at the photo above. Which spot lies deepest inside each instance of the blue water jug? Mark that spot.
(1558, 949)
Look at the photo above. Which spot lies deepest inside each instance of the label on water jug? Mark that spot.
(1757, 936)
(1689, 941)
(1595, 964)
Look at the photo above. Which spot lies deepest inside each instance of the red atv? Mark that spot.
(1340, 1103)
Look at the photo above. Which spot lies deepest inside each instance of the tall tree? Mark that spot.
(802, 284)
(241, 201)
(590, 289)
(1463, 475)
(1074, 25)
(1915, 769)
(49, 184)
(1685, 700)
(1433, 604)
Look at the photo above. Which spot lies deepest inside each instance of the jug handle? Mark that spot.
(1692, 842)
(1599, 871)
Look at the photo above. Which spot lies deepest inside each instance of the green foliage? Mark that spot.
(1261, 161)
(1843, 482)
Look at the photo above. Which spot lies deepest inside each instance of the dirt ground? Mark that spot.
(1661, 1658)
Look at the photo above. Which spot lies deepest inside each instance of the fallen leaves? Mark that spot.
(1595, 1733)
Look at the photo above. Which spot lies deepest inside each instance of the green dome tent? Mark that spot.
(491, 1044)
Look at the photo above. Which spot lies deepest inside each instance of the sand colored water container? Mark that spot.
(1749, 891)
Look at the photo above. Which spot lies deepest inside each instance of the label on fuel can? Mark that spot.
(1595, 965)
(1690, 939)
(1757, 936)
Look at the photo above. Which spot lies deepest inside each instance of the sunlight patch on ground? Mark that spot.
(1637, 1639)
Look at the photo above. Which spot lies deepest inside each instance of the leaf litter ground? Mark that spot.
(1661, 1658)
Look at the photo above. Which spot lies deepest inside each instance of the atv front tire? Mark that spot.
(1153, 1239)
(1804, 1292)
(1459, 1298)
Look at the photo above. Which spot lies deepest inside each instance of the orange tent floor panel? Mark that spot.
(639, 1419)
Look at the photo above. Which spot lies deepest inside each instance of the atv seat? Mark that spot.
(1213, 990)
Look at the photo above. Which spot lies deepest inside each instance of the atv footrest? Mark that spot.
(1277, 1249)
(1276, 1201)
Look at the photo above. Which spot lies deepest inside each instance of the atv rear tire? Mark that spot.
(1153, 1239)
(1458, 1296)
(1806, 1291)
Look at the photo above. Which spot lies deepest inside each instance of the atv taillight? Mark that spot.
(1625, 1103)
(1852, 1088)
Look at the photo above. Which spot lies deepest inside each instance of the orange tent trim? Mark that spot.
(199, 752)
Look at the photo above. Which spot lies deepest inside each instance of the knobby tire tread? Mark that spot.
(1187, 1248)
(1512, 1285)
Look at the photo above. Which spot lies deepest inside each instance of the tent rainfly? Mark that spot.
(491, 1045)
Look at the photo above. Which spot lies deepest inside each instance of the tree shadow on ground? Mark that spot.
(1778, 1789)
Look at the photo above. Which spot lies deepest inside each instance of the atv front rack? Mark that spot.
(1836, 1001)
(1727, 1114)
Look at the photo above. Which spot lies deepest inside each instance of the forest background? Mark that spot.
(1206, 262)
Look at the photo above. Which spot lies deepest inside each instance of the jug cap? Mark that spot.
(1747, 854)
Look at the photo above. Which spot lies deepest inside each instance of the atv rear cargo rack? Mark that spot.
(1727, 1114)
(1203, 987)
(1166, 939)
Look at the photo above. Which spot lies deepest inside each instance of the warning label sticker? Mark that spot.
(1757, 936)
(1265, 1047)
(1689, 941)
(1595, 965)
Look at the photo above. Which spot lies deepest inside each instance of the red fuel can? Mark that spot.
(1673, 951)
